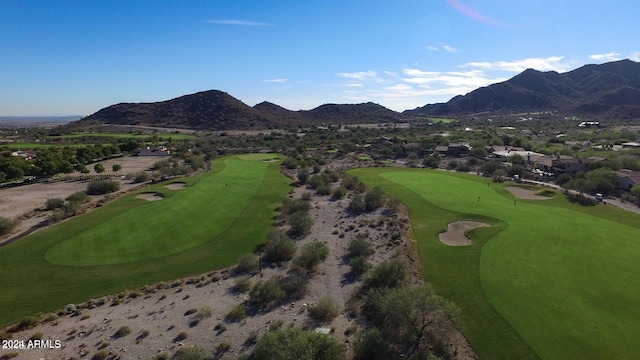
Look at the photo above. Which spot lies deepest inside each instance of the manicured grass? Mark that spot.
(549, 279)
(442, 120)
(30, 284)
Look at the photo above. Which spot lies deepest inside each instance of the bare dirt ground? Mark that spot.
(523, 193)
(27, 202)
(192, 311)
(454, 236)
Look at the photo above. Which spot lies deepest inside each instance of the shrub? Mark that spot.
(79, 196)
(7, 225)
(242, 284)
(279, 248)
(266, 293)
(356, 205)
(290, 206)
(123, 331)
(300, 223)
(222, 348)
(72, 208)
(141, 177)
(294, 285)
(182, 334)
(323, 190)
(290, 343)
(191, 353)
(312, 254)
(248, 264)
(99, 168)
(359, 265)
(101, 355)
(389, 274)
(339, 192)
(237, 313)
(303, 176)
(315, 181)
(374, 199)
(100, 187)
(370, 345)
(360, 246)
(325, 310)
(54, 203)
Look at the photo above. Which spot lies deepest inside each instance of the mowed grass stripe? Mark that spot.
(187, 219)
(30, 285)
(564, 276)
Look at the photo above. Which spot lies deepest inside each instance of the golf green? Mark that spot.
(559, 278)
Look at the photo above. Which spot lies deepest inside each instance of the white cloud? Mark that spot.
(635, 56)
(447, 48)
(354, 85)
(612, 56)
(552, 63)
(450, 49)
(394, 74)
(276, 80)
(238, 22)
(360, 75)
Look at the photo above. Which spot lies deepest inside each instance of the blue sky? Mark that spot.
(75, 57)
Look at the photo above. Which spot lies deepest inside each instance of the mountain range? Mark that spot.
(605, 90)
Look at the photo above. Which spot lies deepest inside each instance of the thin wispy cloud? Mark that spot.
(447, 48)
(238, 22)
(276, 80)
(612, 56)
(552, 63)
(476, 15)
(360, 75)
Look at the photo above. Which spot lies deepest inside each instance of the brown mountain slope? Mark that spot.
(216, 110)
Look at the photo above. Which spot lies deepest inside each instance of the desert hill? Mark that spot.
(217, 110)
(607, 90)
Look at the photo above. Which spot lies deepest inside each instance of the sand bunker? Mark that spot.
(176, 186)
(523, 193)
(150, 196)
(454, 236)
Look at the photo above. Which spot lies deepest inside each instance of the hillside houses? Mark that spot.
(628, 179)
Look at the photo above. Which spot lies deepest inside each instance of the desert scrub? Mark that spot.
(7, 225)
(266, 293)
(325, 310)
(359, 265)
(237, 313)
(248, 264)
(311, 255)
(123, 331)
(360, 246)
(242, 284)
(183, 334)
(279, 248)
(191, 353)
(101, 355)
(294, 285)
(37, 336)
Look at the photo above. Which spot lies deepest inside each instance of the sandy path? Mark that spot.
(454, 236)
(523, 193)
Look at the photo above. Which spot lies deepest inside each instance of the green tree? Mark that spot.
(279, 248)
(374, 199)
(303, 176)
(116, 167)
(99, 168)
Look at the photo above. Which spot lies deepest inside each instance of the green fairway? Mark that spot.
(220, 215)
(549, 279)
(161, 137)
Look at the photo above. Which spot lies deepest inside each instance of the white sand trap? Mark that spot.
(454, 236)
(523, 193)
(176, 186)
(150, 196)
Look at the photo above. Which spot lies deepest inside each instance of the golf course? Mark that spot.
(216, 217)
(548, 279)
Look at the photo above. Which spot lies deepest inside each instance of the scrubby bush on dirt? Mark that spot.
(101, 187)
(290, 206)
(191, 353)
(294, 285)
(53, 203)
(248, 264)
(78, 196)
(311, 255)
(266, 293)
(360, 246)
(296, 344)
(279, 248)
(242, 284)
(122, 331)
(325, 310)
(300, 223)
(359, 265)
(237, 313)
(357, 205)
(339, 192)
(7, 224)
(389, 274)
(370, 345)
(374, 199)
